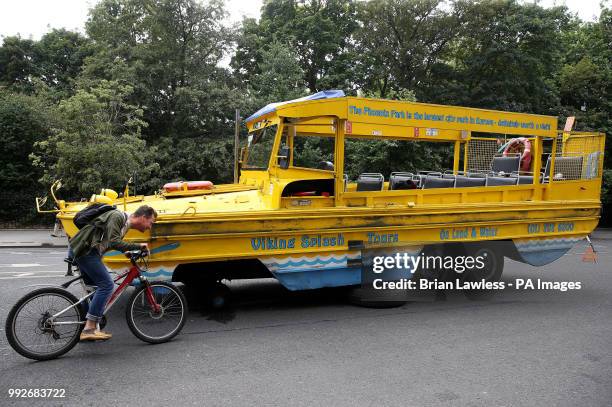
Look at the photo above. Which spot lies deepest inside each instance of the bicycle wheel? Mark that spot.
(162, 326)
(31, 332)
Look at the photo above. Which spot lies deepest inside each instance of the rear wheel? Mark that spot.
(32, 332)
(157, 327)
(492, 271)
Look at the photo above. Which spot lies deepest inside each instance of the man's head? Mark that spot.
(143, 218)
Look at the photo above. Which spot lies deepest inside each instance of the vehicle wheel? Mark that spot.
(369, 299)
(157, 327)
(30, 331)
(491, 272)
(218, 296)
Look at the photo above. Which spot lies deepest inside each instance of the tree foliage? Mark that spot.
(400, 42)
(168, 50)
(281, 77)
(320, 32)
(54, 61)
(98, 133)
(24, 120)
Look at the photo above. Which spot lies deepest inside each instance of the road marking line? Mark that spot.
(21, 265)
(32, 271)
(26, 277)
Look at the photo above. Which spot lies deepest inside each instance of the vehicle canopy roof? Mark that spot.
(390, 118)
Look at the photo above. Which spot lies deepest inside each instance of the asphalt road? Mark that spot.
(273, 347)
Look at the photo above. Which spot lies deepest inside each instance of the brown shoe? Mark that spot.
(94, 335)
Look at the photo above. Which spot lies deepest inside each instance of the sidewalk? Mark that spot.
(30, 238)
(43, 238)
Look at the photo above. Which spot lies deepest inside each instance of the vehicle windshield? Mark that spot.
(259, 147)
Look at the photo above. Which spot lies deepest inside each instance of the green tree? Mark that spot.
(281, 77)
(59, 57)
(54, 61)
(24, 120)
(506, 58)
(319, 31)
(97, 143)
(168, 50)
(585, 81)
(17, 65)
(399, 42)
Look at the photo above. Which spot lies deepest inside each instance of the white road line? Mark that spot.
(21, 265)
(36, 271)
(27, 276)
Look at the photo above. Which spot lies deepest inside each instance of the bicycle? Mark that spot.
(47, 322)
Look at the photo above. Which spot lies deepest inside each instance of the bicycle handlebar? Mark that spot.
(137, 254)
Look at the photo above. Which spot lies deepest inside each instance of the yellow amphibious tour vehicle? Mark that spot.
(515, 181)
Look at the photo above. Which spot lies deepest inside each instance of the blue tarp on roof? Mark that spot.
(326, 94)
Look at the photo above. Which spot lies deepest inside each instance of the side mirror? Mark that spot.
(283, 157)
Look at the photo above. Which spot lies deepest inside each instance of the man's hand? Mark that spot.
(144, 247)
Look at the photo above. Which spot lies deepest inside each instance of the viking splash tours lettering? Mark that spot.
(275, 243)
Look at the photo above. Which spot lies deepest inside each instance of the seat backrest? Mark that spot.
(402, 180)
(438, 182)
(370, 182)
(506, 164)
(465, 182)
(525, 179)
(568, 167)
(497, 181)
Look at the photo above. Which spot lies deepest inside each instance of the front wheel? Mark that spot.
(34, 333)
(157, 326)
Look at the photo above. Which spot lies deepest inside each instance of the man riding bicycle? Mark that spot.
(89, 245)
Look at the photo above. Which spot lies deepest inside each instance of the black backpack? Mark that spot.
(89, 213)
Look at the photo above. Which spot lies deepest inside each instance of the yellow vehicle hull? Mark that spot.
(310, 241)
(326, 240)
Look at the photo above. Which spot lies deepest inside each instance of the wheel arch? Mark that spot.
(220, 270)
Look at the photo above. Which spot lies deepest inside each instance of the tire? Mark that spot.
(18, 313)
(492, 272)
(140, 318)
(218, 296)
(369, 299)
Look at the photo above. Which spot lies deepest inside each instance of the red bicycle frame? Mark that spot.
(129, 276)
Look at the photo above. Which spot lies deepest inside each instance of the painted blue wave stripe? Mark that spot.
(292, 271)
(160, 249)
(547, 243)
(158, 273)
(165, 248)
(308, 262)
(330, 266)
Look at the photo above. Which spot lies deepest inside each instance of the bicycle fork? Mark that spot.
(155, 307)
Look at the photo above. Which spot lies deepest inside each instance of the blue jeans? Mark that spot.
(91, 265)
